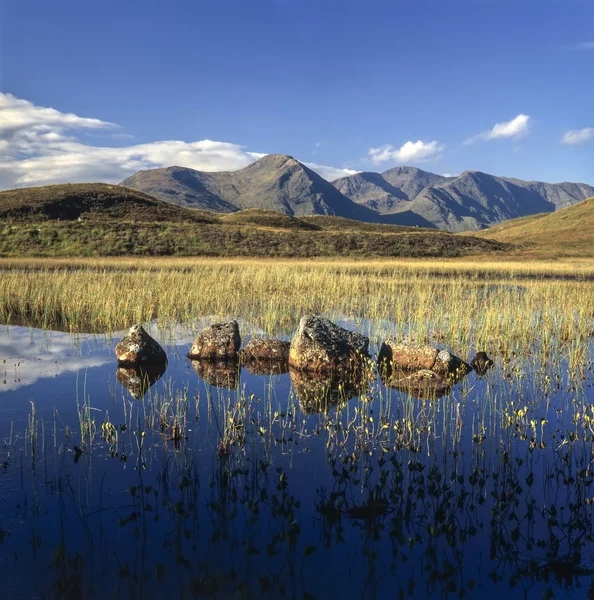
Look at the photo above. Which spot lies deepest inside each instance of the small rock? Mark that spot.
(137, 348)
(451, 366)
(220, 373)
(481, 363)
(259, 348)
(217, 342)
(412, 357)
(320, 345)
(408, 356)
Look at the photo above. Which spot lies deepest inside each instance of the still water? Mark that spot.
(219, 482)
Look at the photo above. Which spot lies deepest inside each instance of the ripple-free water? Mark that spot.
(242, 489)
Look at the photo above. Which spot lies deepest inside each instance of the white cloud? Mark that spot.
(418, 151)
(516, 128)
(38, 146)
(578, 136)
(330, 173)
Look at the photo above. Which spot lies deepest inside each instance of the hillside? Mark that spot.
(96, 201)
(568, 232)
(274, 182)
(102, 220)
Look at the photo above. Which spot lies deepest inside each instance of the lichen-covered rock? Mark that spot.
(319, 392)
(220, 373)
(412, 357)
(451, 366)
(138, 348)
(481, 363)
(320, 345)
(138, 380)
(220, 341)
(423, 384)
(259, 348)
(408, 356)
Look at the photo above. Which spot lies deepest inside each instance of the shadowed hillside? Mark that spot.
(71, 201)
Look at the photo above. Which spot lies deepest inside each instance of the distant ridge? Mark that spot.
(274, 182)
(400, 196)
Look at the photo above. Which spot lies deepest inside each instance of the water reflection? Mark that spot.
(138, 380)
(221, 374)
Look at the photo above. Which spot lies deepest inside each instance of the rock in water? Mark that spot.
(138, 348)
(220, 341)
(412, 357)
(260, 348)
(408, 356)
(320, 345)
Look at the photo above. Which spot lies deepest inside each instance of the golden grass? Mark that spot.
(501, 307)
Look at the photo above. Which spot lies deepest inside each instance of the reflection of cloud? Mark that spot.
(32, 354)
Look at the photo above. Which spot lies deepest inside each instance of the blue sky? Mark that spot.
(446, 85)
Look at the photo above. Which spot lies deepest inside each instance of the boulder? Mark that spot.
(138, 348)
(259, 348)
(319, 392)
(321, 346)
(220, 341)
(413, 357)
(481, 363)
(220, 373)
(138, 380)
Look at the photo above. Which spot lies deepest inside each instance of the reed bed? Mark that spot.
(498, 306)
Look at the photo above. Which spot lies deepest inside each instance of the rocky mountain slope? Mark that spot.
(402, 195)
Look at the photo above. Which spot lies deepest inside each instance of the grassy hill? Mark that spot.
(97, 201)
(568, 232)
(102, 220)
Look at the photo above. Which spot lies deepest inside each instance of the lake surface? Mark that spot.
(222, 483)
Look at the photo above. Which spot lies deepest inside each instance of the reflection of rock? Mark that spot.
(320, 345)
(138, 380)
(481, 363)
(264, 349)
(217, 342)
(412, 357)
(317, 392)
(424, 384)
(220, 373)
(137, 347)
(266, 367)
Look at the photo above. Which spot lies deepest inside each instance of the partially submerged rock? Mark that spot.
(138, 348)
(321, 346)
(138, 380)
(481, 363)
(220, 341)
(259, 348)
(413, 357)
(423, 384)
(319, 392)
(220, 373)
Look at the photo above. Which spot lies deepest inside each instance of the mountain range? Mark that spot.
(402, 195)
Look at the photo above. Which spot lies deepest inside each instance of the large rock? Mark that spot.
(259, 348)
(320, 345)
(217, 342)
(138, 380)
(220, 373)
(413, 357)
(138, 348)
